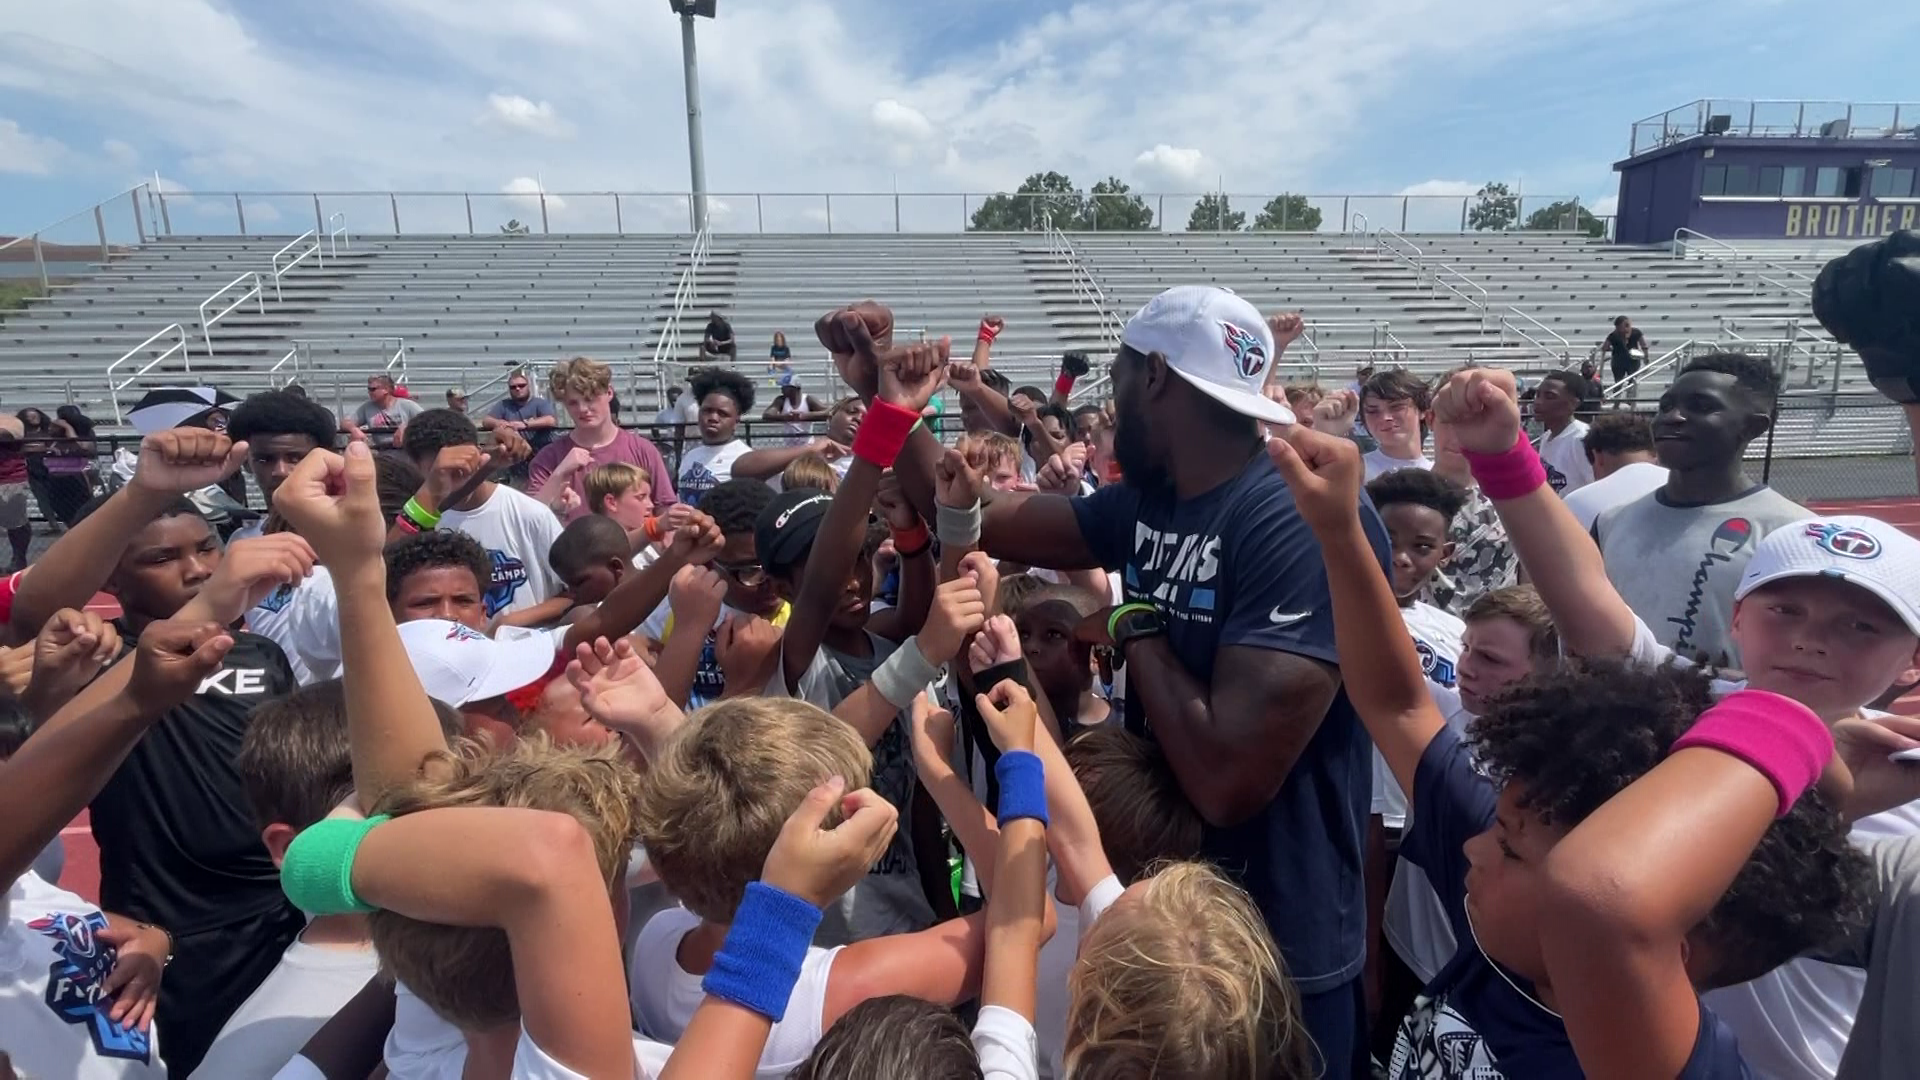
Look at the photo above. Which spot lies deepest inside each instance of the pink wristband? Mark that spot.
(1781, 738)
(1509, 474)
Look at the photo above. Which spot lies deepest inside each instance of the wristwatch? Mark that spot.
(1131, 622)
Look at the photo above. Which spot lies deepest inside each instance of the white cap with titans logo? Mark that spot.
(1858, 550)
(1215, 341)
(458, 664)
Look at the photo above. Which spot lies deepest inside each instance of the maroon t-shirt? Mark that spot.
(627, 447)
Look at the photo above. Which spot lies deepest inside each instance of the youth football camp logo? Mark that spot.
(80, 967)
(509, 573)
(1248, 354)
(1844, 540)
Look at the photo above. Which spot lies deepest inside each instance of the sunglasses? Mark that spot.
(745, 575)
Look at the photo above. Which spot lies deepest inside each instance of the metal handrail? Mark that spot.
(255, 294)
(1802, 286)
(1665, 360)
(313, 249)
(667, 345)
(25, 238)
(1565, 349)
(338, 232)
(179, 346)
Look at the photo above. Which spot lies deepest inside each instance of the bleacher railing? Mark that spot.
(284, 260)
(1776, 119)
(685, 295)
(253, 292)
(126, 379)
(424, 213)
(1691, 244)
(62, 242)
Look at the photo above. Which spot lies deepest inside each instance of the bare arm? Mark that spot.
(349, 1046)
(641, 591)
(773, 460)
(903, 620)
(941, 965)
(1034, 529)
(836, 545)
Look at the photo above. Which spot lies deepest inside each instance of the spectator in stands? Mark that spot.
(1628, 348)
(457, 399)
(280, 430)
(515, 529)
(383, 413)
(71, 473)
(1393, 406)
(15, 516)
(1676, 555)
(1596, 393)
(585, 388)
(718, 343)
(1559, 396)
(1237, 685)
(795, 406)
(527, 414)
(722, 455)
(1620, 447)
(780, 358)
(671, 415)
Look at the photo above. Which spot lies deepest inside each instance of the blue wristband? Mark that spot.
(760, 961)
(1023, 786)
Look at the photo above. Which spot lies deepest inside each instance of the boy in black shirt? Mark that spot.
(177, 844)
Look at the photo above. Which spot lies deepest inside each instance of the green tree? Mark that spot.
(1039, 195)
(1566, 216)
(1213, 213)
(1288, 213)
(1495, 208)
(1111, 209)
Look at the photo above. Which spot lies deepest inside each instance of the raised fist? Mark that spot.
(186, 459)
(840, 329)
(1869, 298)
(173, 659)
(1076, 364)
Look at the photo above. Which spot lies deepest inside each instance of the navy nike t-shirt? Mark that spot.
(1239, 566)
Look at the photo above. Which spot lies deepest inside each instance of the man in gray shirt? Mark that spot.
(1676, 555)
(383, 413)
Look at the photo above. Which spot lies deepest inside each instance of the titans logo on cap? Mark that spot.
(1248, 354)
(1844, 540)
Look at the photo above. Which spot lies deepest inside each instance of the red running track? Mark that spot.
(82, 874)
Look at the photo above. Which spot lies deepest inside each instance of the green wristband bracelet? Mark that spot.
(1124, 610)
(420, 515)
(317, 873)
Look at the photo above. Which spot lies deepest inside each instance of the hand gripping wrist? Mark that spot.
(1023, 787)
(760, 962)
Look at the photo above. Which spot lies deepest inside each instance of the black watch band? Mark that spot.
(1134, 625)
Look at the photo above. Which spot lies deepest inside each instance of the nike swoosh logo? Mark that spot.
(1286, 618)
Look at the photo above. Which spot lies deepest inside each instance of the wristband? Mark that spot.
(317, 872)
(760, 962)
(1782, 739)
(988, 333)
(1023, 786)
(902, 676)
(420, 515)
(400, 522)
(958, 526)
(1124, 610)
(1511, 473)
(654, 531)
(883, 431)
(1014, 671)
(910, 542)
(1063, 385)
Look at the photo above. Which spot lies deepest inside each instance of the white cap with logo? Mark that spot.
(1858, 550)
(1215, 341)
(458, 664)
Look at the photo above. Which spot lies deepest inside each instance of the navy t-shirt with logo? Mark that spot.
(178, 844)
(1476, 1020)
(1239, 566)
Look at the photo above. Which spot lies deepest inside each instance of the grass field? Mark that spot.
(14, 295)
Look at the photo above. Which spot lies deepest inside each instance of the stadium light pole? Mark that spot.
(690, 60)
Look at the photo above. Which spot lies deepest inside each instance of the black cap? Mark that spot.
(784, 532)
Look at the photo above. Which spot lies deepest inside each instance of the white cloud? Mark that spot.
(1440, 187)
(514, 111)
(526, 193)
(901, 121)
(1170, 168)
(120, 153)
(21, 151)
(1605, 206)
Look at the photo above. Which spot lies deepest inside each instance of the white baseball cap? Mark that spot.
(1214, 340)
(1858, 550)
(458, 664)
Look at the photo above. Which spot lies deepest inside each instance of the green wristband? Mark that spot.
(1124, 610)
(317, 872)
(420, 515)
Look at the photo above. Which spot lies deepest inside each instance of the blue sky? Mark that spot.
(504, 97)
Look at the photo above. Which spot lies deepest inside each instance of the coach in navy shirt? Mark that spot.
(1233, 669)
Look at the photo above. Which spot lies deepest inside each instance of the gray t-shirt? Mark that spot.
(1885, 1041)
(398, 411)
(1677, 566)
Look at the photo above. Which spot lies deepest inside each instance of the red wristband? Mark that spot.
(883, 431)
(910, 542)
(653, 530)
(1510, 474)
(405, 525)
(987, 333)
(1063, 385)
(1782, 739)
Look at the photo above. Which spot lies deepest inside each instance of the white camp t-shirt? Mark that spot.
(517, 530)
(1378, 462)
(1565, 457)
(703, 468)
(53, 1022)
(666, 995)
(305, 989)
(1416, 923)
(532, 1063)
(1437, 637)
(1005, 1042)
(1618, 488)
(422, 1046)
(304, 620)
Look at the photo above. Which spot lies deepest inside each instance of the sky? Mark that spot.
(864, 98)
